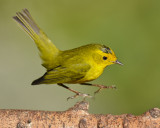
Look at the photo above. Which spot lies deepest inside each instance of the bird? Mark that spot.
(74, 66)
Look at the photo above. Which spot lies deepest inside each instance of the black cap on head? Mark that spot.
(106, 49)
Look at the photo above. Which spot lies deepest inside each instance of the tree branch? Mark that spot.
(76, 117)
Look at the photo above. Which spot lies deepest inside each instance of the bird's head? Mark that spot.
(105, 56)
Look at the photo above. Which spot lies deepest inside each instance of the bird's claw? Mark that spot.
(113, 87)
(79, 94)
(104, 87)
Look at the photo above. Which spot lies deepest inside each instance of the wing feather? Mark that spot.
(61, 74)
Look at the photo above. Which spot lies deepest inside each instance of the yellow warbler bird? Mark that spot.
(75, 66)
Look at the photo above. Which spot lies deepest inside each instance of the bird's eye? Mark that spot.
(104, 58)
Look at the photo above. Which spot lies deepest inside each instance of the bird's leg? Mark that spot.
(100, 86)
(76, 92)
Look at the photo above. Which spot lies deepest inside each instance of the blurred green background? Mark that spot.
(130, 27)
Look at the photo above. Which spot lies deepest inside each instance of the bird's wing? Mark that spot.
(63, 74)
(48, 50)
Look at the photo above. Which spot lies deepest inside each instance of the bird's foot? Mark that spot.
(80, 94)
(104, 87)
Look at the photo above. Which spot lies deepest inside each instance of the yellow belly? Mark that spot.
(92, 74)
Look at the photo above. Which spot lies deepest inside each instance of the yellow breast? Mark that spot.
(92, 74)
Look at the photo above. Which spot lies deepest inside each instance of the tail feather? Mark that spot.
(21, 23)
(27, 16)
(48, 50)
(27, 23)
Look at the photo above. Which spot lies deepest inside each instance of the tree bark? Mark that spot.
(76, 117)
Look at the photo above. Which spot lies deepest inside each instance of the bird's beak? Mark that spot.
(117, 62)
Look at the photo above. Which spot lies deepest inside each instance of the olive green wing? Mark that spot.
(62, 74)
(48, 50)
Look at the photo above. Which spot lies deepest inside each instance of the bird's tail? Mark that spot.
(48, 50)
